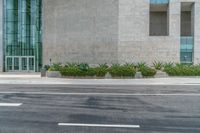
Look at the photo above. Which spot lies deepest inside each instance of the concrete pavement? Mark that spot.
(36, 79)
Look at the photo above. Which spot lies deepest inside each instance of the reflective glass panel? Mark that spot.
(22, 29)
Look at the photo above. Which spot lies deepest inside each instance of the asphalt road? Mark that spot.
(100, 109)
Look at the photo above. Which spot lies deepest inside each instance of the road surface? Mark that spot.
(99, 109)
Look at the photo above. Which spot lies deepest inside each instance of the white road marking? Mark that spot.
(103, 94)
(98, 125)
(10, 104)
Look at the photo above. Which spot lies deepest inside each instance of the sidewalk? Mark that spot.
(19, 75)
(34, 78)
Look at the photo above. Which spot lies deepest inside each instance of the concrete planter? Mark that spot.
(108, 76)
(85, 77)
(127, 77)
(161, 74)
(54, 74)
(138, 75)
(78, 77)
(123, 78)
(43, 72)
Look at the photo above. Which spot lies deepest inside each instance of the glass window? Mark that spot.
(187, 32)
(159, 19)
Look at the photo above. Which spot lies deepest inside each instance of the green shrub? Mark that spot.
(141, 65)
(83, 66)
(72, 71)
(131, 65)
(148, 72)
(183, 70)
(55, 67)
(46, 67)
(158, 65)
(104, 65)
(117, 70)
(90, 72)
(84, 69)
(101, 70)
(168, 65)
(71, 64)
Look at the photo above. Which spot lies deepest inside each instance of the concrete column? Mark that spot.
(197, 33)
(174, 26)
(174, 18)
(133, 30)
(192, 20)
(168, 21)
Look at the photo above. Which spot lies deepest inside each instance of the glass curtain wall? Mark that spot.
(22, 30)
(187, 33)
(187, 48)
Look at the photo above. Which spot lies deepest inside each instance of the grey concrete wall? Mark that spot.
(135, 44)
(1, 35)
(80, 31)
(99, 31)
(197, 32)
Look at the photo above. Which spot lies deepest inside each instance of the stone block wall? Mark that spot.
(135, 43)
(80, 31)
(197, 32)
(111, 31)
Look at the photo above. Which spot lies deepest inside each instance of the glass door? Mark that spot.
(16, 64)
(9, 63)
(20, 64)
(31, 64)
(24, 64)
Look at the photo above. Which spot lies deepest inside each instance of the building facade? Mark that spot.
(36, 32)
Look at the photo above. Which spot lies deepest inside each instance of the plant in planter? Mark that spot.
(54, 70)
(168, 65)
(141, 65)
(46, 67)
(183, 70)
(91, 72)
(71, 71)
(80, 70)
(158, 65)
(117, 70)
(101, 70)
(71, 64)
(83, 66)
(148, 72)
(44, 70)
(55, 67)
(132, 65)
